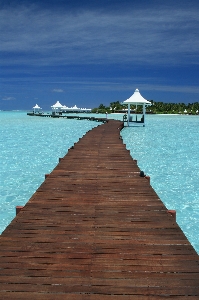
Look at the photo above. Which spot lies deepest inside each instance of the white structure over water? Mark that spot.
(36, 108)
(75, 109)
(56, 108)
(136, 119)
(59, 108)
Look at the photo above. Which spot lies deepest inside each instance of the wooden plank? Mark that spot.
(95, 229)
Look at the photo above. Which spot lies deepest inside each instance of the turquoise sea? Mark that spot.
(166, 150)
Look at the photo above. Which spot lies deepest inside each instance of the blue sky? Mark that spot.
(92, 52)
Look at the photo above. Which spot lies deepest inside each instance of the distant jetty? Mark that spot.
(63, 115)
(58, 108)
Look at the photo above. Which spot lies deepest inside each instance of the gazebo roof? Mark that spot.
(37, 106)
(136, 98)
(57, 105)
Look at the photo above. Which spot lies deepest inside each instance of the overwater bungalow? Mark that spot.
(136, 119)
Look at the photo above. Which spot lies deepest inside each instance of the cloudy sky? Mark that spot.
(88, 52)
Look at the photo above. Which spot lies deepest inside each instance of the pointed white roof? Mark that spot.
(37, 106)
(57, 105)
(136, 98)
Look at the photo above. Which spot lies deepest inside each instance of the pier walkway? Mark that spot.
(96, 230)
(69, 116)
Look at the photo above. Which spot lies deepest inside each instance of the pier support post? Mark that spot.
(148, 178)
(172, 212)
(46, 175)
(18, 209)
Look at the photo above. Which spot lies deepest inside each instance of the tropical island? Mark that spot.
(155, 108)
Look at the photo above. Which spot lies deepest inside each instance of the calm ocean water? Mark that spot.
(166, 150)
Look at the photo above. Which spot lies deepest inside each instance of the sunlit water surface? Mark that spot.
(166, 150)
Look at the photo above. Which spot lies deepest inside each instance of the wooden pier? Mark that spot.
(96, 230)
(68, 116)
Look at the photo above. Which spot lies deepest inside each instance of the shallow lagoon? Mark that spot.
(166, 150)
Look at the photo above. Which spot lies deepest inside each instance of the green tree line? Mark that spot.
(155, 108)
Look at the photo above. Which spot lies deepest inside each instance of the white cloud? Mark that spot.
(141, 36)
(58, 90)
(126, 84)
(8, 98)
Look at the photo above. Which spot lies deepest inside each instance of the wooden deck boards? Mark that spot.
(97, 230)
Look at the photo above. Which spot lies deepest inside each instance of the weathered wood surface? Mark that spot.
(97, 230)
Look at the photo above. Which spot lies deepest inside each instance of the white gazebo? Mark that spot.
(36, 108)
(56, 108)
(75, 109)
(136, 119)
